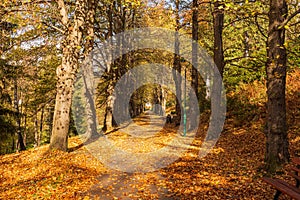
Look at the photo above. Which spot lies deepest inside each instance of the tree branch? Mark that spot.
(54, 27)
(236, 20)
(63, 12)
(295, 23)
(289, 18)
(239, 58)
(243, 67)
(259, 28)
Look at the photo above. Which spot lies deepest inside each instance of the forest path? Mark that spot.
(145, 135)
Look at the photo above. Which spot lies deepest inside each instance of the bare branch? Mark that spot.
(294, 24)
(289, 18)
(259, 27)
(239, 58)
(243, 67)
(54, 27)
(236, 20)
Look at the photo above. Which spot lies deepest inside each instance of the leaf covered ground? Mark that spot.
(232, 170)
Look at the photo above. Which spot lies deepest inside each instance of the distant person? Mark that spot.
(169, 119)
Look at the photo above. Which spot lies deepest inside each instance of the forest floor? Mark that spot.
(231, 170)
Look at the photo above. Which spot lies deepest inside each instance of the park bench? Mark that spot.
(283, 187)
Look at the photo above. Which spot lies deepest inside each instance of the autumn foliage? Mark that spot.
(233, 169)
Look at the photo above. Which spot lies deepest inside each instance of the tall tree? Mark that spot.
(108, 118)
(195, 76)
(87, 71)
(277, 147)
(121, 15)
(6, 29)
(217, 109)
(20, 144)
(195, 27)
(66, 72)
(218, 22)
(176, 63)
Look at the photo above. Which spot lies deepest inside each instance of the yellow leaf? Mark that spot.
(39, 26)
(286, 27)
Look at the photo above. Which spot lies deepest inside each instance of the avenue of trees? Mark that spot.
(44, 42)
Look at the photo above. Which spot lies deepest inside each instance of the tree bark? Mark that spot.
(218, 16)
(36, 131)
(108, 118)
(195, 76)
(216, 93)
(66, 74)
(277, 141)
(195, 27)
(177, 66)
(163, 101)
(20, 142)
(25, 131)
(87, 71)
(41, 125)
(38, 128)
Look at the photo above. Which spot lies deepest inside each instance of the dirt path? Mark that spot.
(146, 134)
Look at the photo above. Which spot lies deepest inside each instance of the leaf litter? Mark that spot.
(232, 170)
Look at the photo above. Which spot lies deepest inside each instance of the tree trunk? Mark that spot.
(158, 100)
(36, 131)
(38, 128)
(277, 141)
(20, 141)
(25, 131)
(108, 118)
(50, 122)
(195, 76)
(177, 66)
(218, 15)
(66, 75)
(195, 81)
(216, 94)
(41, 126)
(163, 101)
(87, 71)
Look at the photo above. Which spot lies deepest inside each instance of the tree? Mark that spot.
(177, 63)
(66, 72)
(121, 16)
(6, 32)
(20, 143)
(218, 22)
(277, 146)
(194, 73)
(7, 112)
(108, 119)
(87, 71)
